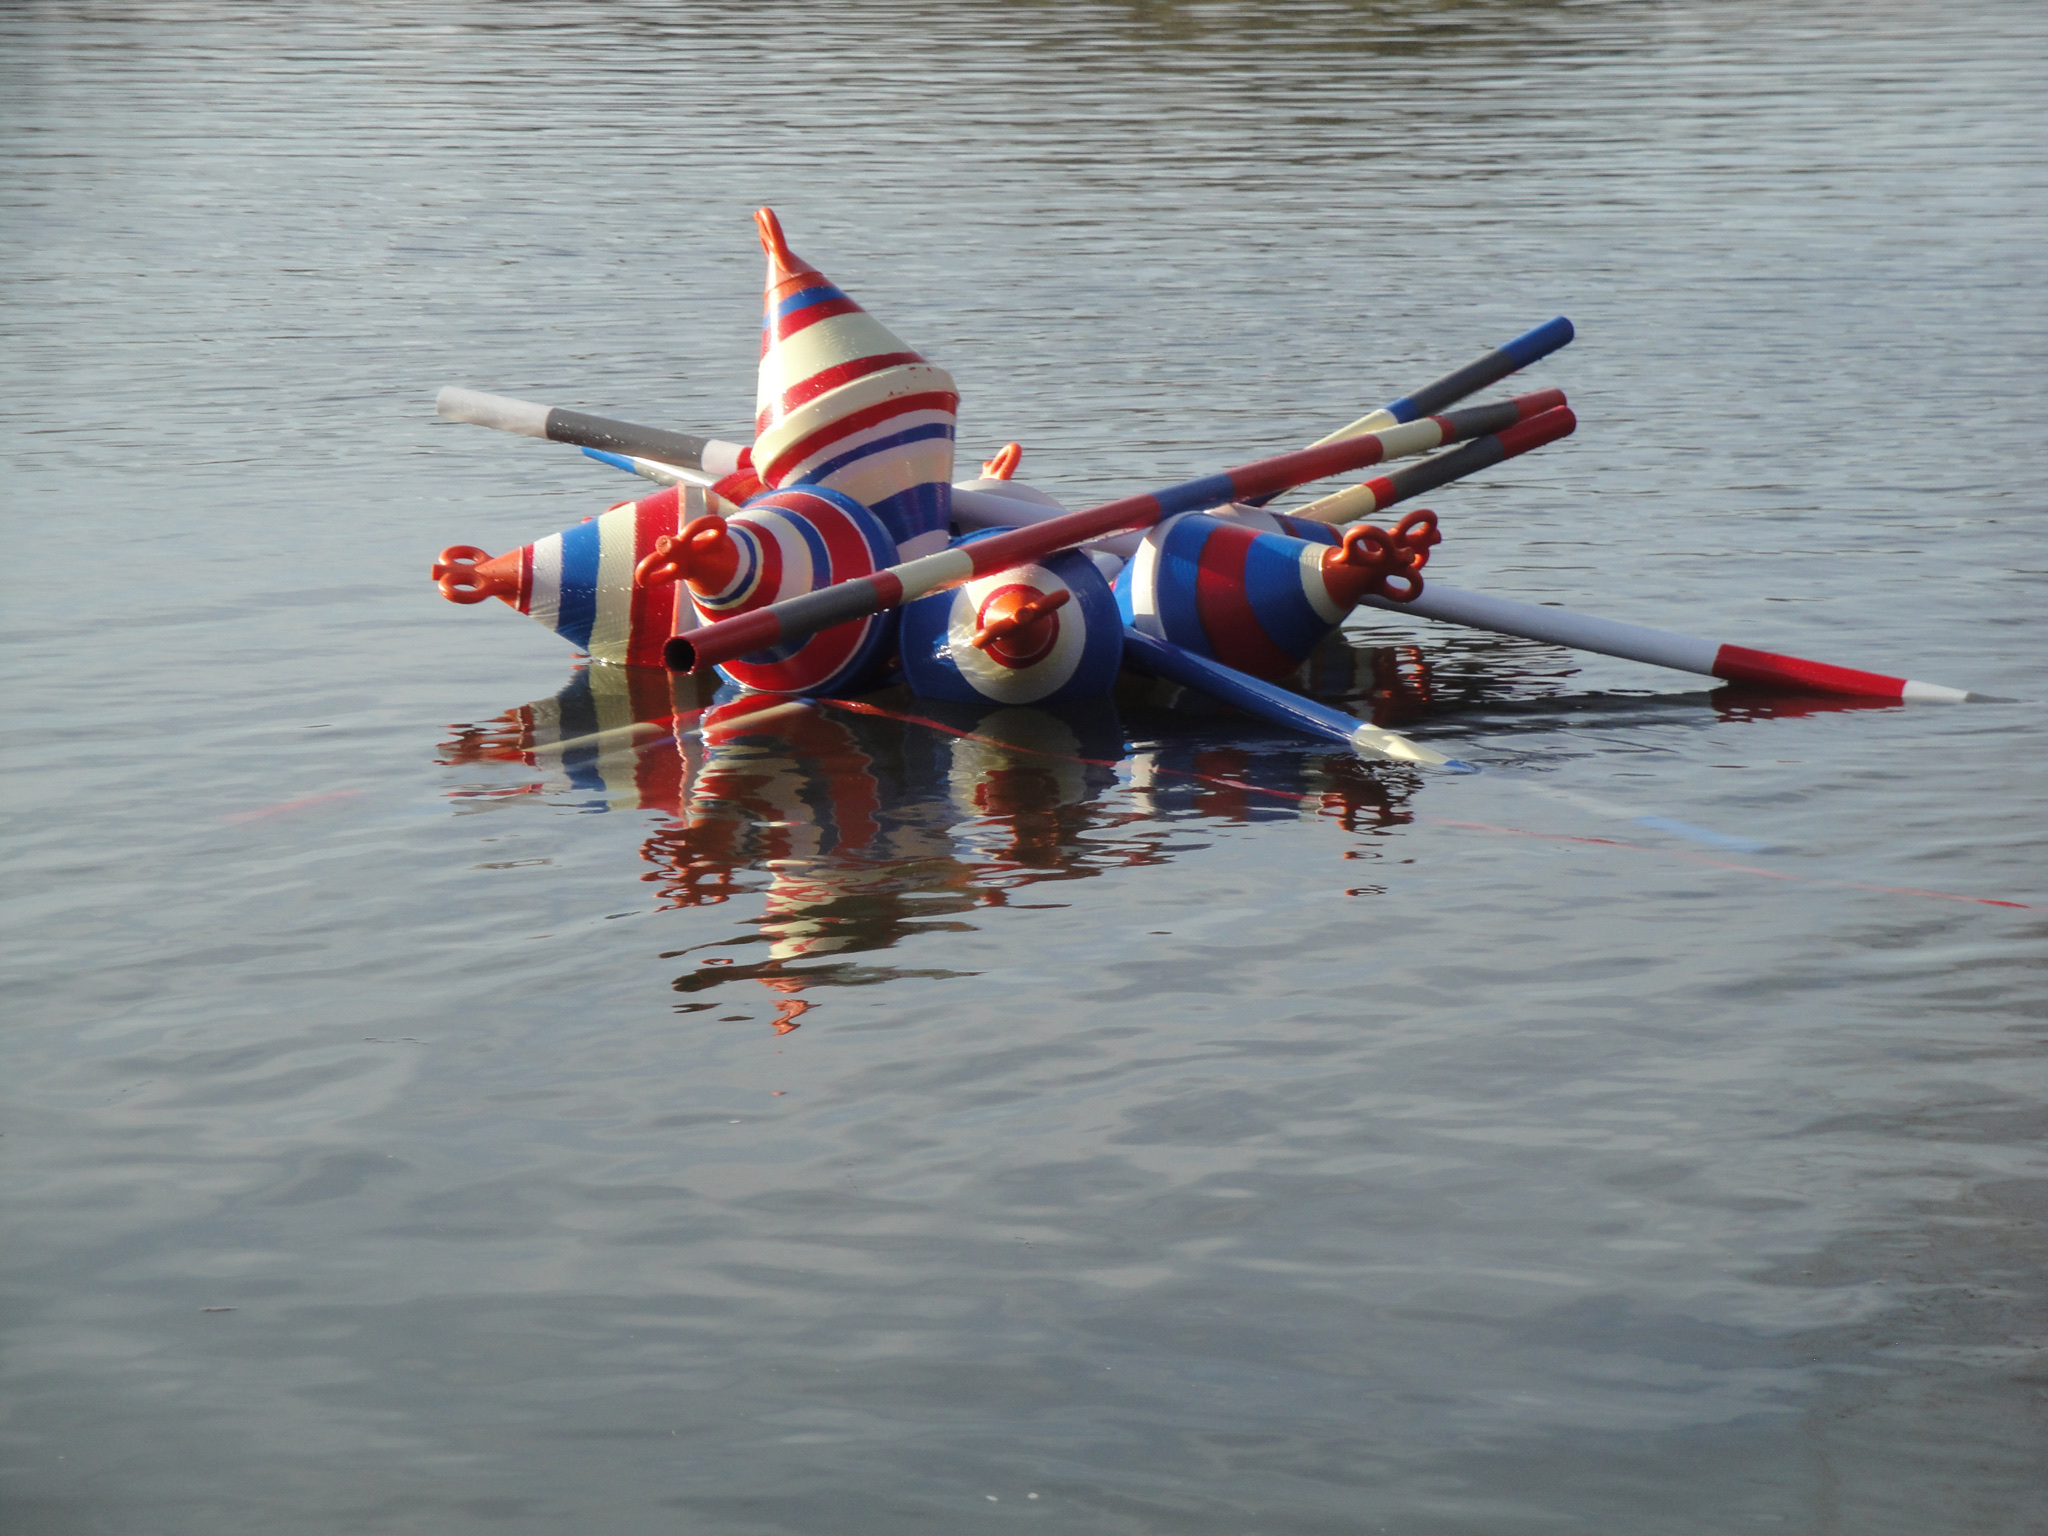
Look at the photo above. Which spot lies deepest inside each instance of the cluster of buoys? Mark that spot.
(836, 551)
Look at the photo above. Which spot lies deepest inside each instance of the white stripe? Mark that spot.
(922, 544)
(1559, 626)
(1378, 421)
(611, 630)
(1313, 587)
(1371, 741)
(1145, 579)
(1933, 693)
(720, 459)
(928, 573)
(546, 602)
(797, 573)
(888, 426)
(890, 383)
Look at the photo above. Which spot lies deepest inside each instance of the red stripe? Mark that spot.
(1544, 427)
(1536, 403)
(657, 765)
(767, 586)
(739, 487)
(526, 579)
(811, 314)
(1227, 618)
(652, 616)
(846, 552)
(858, 421)
(841, 373)
(1739, 664)
(1000, 551)
(888, 588)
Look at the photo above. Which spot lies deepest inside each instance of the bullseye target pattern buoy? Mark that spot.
(780, 544)
(1042, 633)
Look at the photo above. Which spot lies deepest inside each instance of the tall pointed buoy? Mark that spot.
(1226, 589)
(844, 404)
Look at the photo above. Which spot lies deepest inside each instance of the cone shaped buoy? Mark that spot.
(1259, 601)
(780, 545)
(845, 404)
(579, 582)
(1043, 633)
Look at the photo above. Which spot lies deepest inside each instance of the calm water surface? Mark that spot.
(1134, 1121)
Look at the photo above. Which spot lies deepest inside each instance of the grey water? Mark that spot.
(414, 1119)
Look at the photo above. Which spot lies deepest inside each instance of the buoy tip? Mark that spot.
(772, 239)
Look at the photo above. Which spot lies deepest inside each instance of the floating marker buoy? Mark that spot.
(1226, 589)
(843, 403)
(1041, 633)
(579, 582)
(780, 544)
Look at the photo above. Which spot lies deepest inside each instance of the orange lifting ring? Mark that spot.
(456, 573)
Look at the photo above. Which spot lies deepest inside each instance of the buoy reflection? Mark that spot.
(856, 824)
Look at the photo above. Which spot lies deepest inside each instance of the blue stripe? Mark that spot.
(1179, 566)
(1541, 342)
(616, 460)
(747, 539)
(803, 299)
(579, 766)
(1272, 585)
(1196, 495)
(579, 718)
(1266, 700)
(908, 513)
(831, 467)
(1307, 529)
(580, 547)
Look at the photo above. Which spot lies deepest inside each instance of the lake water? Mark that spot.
(1185, 1129)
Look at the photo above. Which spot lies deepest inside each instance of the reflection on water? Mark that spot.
(858, 823)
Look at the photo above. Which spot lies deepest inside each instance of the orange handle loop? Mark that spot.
(1410, 590)
(1418, 533)
(455, 573)
(1004, 464)
(1020, 616)
(1391, 563)
(672, 554)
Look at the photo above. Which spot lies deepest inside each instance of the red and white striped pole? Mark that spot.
(1663, 648)
(1516, 435)
(799, 617)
